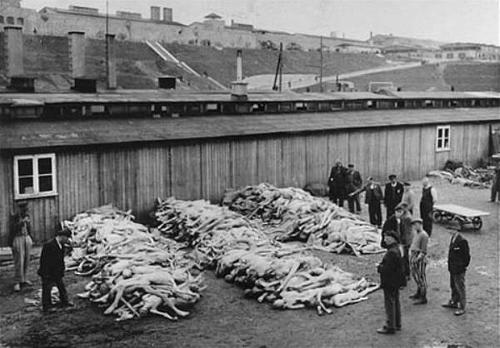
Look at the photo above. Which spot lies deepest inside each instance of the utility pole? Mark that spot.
(281, 66)
(321, 64)
(278, 76)
(107, 45)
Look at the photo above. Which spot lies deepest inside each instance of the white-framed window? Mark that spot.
(443, 138)
(35, 176)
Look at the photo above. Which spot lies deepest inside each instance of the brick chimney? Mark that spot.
(111, 62)
(167, 14)
(155, 13)
(14, 50)
(239, 65)
(77, 53)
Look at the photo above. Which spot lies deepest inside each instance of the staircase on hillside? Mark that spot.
(169, 57)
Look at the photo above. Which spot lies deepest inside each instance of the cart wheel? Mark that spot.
(477, 223)
(437, 216)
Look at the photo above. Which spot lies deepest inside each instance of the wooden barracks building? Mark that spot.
(65, 153)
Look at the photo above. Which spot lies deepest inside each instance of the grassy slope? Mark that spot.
(473, 76)
(221, 64)
(462, 76)
(422, 78)
(47, 58)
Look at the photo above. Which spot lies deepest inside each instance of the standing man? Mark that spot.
(393, 194)
(352, 184)
(495, 185)
(397, 223)
(407, 235)
(458, 260)
(52, 270)
(337, 184)
(418, 261)
(409, 197)
(373, 197)
(20, 242)
(391, 279)
(358, 182)
(429, 198)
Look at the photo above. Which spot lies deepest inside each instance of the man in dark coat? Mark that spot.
(429, 198)
(458, 260)
(353, 183)
(398, 223)
(391, 279)
(337, 184)
(495, 185)
(393, 194)
(52, 270)
(373, 197)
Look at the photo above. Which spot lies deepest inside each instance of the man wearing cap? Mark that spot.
(429, 198)
(373, 197)
(20, 242)
(458, 260)
(391, 279)
(409, 197)
(397, 223)
(337, 184)
(52, 270)
(418, 261)
(393, 194)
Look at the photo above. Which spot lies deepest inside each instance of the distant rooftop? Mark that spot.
(213, 16)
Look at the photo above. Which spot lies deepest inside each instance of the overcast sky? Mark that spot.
(444, 20)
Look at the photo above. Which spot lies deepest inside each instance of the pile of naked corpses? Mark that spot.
(134, 272)
(293, 214)
(289, 277)
(457, 173)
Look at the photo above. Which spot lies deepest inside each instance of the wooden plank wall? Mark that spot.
(132, 177)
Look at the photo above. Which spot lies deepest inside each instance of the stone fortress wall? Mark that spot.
(213, 31)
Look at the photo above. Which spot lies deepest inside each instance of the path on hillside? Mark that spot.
(294, 81)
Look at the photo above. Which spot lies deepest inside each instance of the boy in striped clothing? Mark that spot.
(418, 261)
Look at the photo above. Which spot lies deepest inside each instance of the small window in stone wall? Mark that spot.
(1, 20)
(10, 20)
(20, 21)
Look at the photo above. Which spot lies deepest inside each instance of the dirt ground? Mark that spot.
(224, 318)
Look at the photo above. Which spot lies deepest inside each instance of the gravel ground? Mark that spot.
(224, 318)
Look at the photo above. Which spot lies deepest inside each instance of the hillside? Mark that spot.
(422, 78)
(438, 77)
(473, 76)
(221, 63)
(47, 58)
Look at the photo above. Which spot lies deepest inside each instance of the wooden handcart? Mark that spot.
(461, 215)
